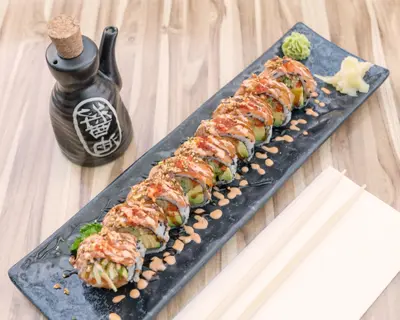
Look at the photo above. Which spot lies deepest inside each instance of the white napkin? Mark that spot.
(308, 268)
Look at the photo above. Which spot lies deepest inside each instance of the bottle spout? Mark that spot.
(108, 64)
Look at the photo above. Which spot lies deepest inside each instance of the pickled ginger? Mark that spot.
(349, 79)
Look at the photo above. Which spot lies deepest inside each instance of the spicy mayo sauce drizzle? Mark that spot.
(157, 264)
(243, 183)
(142, 284)
(170, 260)
(286, 138)
(269, 162)
(271, 149)
(223, 202)
(134, 294)
(148, 274)
(118, 299)
(233, 193)
(114, 316)
(178, 245)
(311, 112)
(216, 214)
(201, 223)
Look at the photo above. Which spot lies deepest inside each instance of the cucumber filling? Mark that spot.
(287, 81)
(105, 270)
(290, 81)
(216, 170)
(215, 167)
(186, 184)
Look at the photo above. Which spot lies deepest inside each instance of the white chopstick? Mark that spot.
(276, 247)
(305, 250)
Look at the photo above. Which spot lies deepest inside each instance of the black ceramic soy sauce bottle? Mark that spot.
(89, 119)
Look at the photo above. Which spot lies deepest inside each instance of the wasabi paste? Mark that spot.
(296, 46)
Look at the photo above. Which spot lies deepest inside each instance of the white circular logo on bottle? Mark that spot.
(97, 126)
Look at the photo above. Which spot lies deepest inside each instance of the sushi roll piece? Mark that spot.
(167, 193)
(236, 128)
(253, 107)
(108, 259)
(295, 75)
(194, 175)
(144, 219)
(219, 153)
(275, 93)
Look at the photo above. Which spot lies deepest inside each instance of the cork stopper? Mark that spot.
(65, 33)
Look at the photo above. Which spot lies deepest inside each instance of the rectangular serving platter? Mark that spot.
(36, 274)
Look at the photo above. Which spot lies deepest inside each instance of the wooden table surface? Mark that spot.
(172, 56)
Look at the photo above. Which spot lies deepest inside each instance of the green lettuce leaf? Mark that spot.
(85, 231)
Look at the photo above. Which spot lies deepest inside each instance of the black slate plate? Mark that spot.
(36, 274)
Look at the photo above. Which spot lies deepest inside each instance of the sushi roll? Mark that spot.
(295, 75)
(108, 259)
(274, 92)
(236, 128)
(167, 193)
(144, 219)
(194, 175)
(253, 107)
(219, 153)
